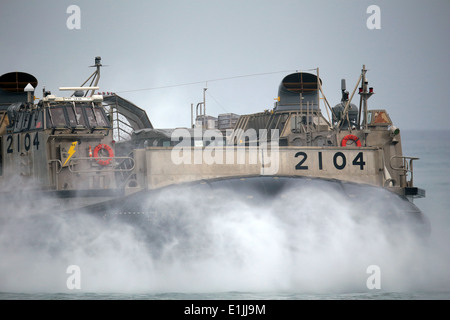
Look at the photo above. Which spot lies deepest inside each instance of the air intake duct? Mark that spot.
(298, 91)
(12, 87)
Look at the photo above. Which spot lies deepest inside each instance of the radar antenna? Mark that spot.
(94, 76)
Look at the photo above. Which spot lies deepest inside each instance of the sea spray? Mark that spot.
(308, 239)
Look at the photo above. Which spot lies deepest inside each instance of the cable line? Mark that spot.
(206, 81)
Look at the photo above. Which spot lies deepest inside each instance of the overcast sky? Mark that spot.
(152, 44)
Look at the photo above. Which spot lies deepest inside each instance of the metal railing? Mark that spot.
(406, 167)
(123, 167)
(113, 167)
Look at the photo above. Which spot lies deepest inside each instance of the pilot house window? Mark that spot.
(57, 117)
(79, 114)
(101, 120)
(91, 118)
(36, 120)
(97, 119)
(72, 117)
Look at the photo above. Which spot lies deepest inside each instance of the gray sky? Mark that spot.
(150, 44)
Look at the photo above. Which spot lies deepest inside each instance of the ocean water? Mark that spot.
(310, 247)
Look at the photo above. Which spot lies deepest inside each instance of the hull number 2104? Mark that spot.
(339, 161)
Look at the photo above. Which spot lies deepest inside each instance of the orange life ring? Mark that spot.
(110, 154)
(351, 137)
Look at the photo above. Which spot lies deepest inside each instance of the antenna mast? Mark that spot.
(95, 76)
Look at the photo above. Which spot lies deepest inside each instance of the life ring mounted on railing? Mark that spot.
(350, 137)
(110, 154)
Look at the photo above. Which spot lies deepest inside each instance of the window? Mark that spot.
(26, 121)
(18, 122)
(37, 120)
(101, 118)
(91, 117)
(57, 117)
(72, 116)
(80, 116)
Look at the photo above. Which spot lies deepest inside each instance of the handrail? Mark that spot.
(57, 171)
(407, 167)
(57, 161)
(104, 169)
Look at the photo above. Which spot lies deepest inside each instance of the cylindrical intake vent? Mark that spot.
(12, 85)
(298, 91)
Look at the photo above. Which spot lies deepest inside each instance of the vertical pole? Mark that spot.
(204, 121)
(192, 115)
(204, 101)
(318, 93)
(318, 100)
(308, 111)
(118, 124)
(364, 86)
(359, 113)
(301, 99)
